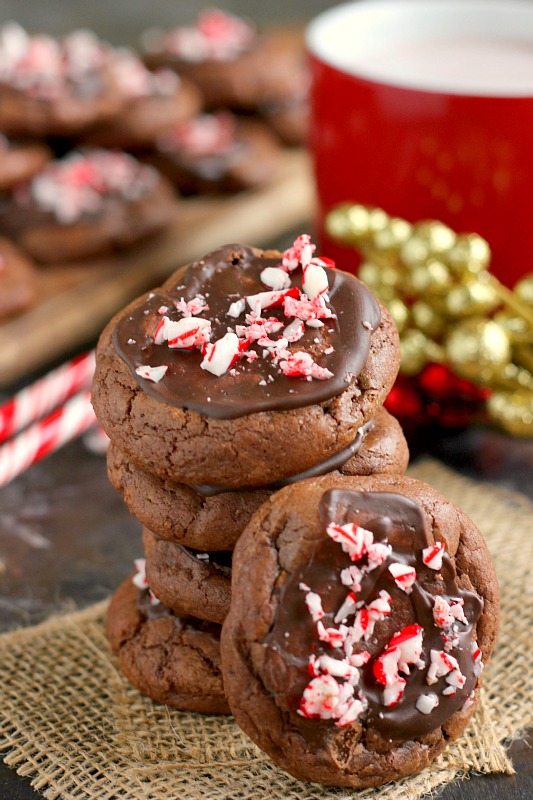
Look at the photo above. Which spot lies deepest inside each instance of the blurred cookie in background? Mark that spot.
(88, 203)
(18, 280)
(155, 101)
(54, 87)
(217, 153)
(234, 64)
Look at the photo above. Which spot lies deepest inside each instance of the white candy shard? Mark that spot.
(432, 555)
(220, 355)
(236, 308)
(314, 281)
(275, 278)
(426, 703)
(404, 576)
(154, 374)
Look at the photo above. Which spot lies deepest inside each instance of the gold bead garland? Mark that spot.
(448, 307)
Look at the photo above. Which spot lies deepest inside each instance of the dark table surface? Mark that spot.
(66, 539)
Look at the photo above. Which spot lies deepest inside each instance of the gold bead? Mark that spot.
(469, 254)
(417, 350)
(338, 225)
(524, 289)
(476, 346)
(513, 411)
(393, 235)
(439, 237)
(399, 312)
(516, 327)
(471, 298)
(377, 220)
(426, 319)
(433, 278)
(358, 221)
(414, 251)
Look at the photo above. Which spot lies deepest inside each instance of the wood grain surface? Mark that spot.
(76, 300)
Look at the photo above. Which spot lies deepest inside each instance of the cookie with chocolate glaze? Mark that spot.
(171, 659)
(190, 582)
(362, 611)
(54, 88)
(216, 153)
(20, 161)
(192, 387)
(18, 280)
(86, 204)
(209, 518)
(155, 101)
(234, 65)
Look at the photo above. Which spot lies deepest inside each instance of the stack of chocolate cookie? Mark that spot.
(246, 371)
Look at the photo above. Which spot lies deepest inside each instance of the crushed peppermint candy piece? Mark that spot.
(296, 364)
(275, 278)
(353, 539)
(432, 555)
(393, 694)
(325, 698)
(347, 609)
(236, 308)
(313, 602)
(314, 281)
(192, 307)
(154, 374)
(477, 658)
(403, 650)
(404, 576)
(299, 254)
(352, 576)
(310, 311)
(257, 328)
(265, 300)
(222, 354)
(185, 334)
(441, 664)
(332, 636)
(426, 703)
(339, 668)
(294, 331)
(446, 614)
(139, 580)
(377, 553)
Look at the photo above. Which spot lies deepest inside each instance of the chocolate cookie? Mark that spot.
(208, 518)
(18, 280)
(362, 611)
(234, 65)
(173, 660)
(289, 120)
(189, 400)
(20, 161)
(50, 87)
(217, 153)
(190, 582)
(88, 203)
(155, 101)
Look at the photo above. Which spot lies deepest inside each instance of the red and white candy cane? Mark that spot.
(46, 436)
(44, 395)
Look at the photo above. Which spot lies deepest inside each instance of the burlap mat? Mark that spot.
(72, 723)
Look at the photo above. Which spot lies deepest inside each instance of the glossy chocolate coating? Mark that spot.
(400, 522)
(222, 277)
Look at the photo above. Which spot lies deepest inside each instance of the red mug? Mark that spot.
(425, 108)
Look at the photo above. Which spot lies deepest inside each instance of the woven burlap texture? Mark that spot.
(71, 722)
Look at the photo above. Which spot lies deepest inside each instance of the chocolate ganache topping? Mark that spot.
(376, 618)
(244, 333)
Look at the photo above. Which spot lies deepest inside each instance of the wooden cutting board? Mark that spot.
(76, 300)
